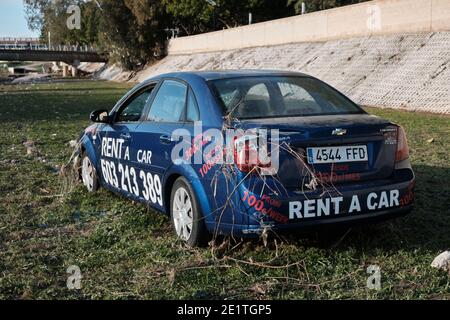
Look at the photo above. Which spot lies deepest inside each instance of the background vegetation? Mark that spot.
(133, 32)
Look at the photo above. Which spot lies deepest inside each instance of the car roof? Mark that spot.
(228, 74)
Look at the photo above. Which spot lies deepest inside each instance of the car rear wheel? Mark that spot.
(186, 217)
(88, 174)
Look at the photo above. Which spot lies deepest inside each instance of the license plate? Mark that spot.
(337, 154)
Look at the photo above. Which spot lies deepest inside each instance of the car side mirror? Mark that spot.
(100, 116)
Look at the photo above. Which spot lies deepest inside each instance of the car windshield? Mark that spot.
(266, 97)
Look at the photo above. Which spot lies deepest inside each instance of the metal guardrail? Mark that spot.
(43, 47)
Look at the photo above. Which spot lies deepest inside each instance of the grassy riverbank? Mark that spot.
(125, 250)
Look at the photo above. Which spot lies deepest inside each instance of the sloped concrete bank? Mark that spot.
(404, 71)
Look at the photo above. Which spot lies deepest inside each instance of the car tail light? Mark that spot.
(402, 146)
(247, 156)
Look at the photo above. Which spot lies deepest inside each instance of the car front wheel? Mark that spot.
(185, 213)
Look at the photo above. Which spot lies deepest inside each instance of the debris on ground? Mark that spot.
(32, 78)
(31, 147)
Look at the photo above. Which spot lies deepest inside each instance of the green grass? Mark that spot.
(126, 251)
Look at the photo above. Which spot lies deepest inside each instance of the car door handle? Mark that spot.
(166, 139)
(125, 135)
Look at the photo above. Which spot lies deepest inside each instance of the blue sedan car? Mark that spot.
(245, 152)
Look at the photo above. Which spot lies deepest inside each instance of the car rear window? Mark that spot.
(265, 97)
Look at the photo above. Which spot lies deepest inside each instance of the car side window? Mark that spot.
(169, 103)
(133, 109)
(193, 113)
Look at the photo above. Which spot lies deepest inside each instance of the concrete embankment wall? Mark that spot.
(403, 71)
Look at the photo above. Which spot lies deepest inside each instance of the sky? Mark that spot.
(12, 20)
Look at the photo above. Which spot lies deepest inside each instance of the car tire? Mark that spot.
(89, 174)
(187, 219)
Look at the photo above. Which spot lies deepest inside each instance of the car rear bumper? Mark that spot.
(343, 221)
(368, 194)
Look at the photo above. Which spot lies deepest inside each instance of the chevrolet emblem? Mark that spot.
(339, 132)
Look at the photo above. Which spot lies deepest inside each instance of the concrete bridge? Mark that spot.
(31, 49)
(33, 54)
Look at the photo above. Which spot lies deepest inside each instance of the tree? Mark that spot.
(198, 16)
(51, 16)
(130, 31)
(133, 31)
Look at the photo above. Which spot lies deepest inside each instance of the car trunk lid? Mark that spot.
(299, 135)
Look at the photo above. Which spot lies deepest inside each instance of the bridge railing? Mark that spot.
(44, 47)
(19, 40)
